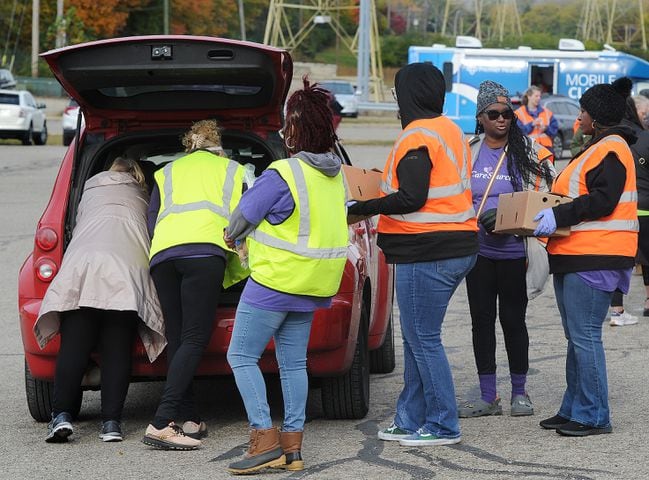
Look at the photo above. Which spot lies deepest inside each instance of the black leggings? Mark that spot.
(189, 290)
(81, 331)
(502, 280)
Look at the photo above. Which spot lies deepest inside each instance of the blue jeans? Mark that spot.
(253, 329)
(583, 311)
(424, 290)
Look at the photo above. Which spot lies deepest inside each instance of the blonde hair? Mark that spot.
(528, 92)
(203, 134)
(128, 165)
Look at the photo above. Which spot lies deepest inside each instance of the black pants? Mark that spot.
(502, 281)
(81, 331)
(189, 290)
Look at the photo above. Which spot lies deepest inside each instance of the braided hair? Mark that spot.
(309, 120)
(521, 159)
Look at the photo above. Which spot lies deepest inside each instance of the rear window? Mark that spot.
(338, 88)
(9, 99)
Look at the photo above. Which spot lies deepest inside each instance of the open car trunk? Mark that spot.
(154, 150)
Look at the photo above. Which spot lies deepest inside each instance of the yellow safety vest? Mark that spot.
(198, 192)
(306, 253)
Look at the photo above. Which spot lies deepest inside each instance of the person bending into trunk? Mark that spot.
(100, 297)
(190, 206)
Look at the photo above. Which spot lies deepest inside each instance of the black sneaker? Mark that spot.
(111, 431)
(576, 429)
(59, 428)
(553, 423)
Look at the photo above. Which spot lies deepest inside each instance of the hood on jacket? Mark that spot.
(109, 178)
(328, 163)
(621, 129)
(420, 90)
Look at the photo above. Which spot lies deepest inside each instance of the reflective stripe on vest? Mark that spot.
(434, 193)
(170, 207)
(302, 246)
(543, 138)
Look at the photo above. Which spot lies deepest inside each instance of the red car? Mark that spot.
(138, 95)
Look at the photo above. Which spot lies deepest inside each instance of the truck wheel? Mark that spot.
(382, 359)
(348, 396)
(40, 394)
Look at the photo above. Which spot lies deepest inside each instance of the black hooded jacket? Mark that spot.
(605, 186)
(420, 90)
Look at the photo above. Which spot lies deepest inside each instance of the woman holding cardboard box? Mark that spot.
(504, 161)
(595, 259)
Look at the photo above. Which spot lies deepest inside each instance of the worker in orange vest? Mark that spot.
(536, 121)
(595, 259)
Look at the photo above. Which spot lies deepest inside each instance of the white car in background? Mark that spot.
(69, 121)
(345, 94)
(22, 118)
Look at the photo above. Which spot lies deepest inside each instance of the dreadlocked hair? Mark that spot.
(309, 120)
(521, 159)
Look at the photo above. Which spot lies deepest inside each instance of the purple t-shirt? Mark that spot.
(608, 280)
(494, 246)
(270, 198)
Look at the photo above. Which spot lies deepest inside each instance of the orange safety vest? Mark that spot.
(449, 206)
(545, 116)
(615, 234)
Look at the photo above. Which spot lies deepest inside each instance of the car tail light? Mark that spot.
(69, 109)
(46, 269)
(22, 113)
(46, 239)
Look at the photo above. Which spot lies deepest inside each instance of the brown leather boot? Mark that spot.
(291, 443)
(263, 451)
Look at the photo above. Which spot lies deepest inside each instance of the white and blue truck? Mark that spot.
(567, 71)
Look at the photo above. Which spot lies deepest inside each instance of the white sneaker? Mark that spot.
(621, 319)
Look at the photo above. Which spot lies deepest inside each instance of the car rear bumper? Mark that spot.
(328, 353)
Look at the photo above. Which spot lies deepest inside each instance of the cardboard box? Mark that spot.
(361, 183)
(516, 212)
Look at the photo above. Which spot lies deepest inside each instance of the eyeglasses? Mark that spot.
(494, 114)
(394, 93)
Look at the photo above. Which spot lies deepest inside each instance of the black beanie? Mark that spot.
(604, 104)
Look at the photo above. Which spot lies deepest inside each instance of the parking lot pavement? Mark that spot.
(497, 448)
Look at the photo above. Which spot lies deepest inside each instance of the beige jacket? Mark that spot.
(106, 264)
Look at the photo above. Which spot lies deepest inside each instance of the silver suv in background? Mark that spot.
(22, 118)
(345, 94)
(7, 80)
(69, 121)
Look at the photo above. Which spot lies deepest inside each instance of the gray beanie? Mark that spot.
(490, 93)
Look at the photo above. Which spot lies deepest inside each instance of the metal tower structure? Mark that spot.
(506, 19)
(286, 29)
(613, 21)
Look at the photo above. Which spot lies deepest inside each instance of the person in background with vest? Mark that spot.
(294, 223)
(101, 295)
(595, 259)
(536, 121)
(428, 229)
(504, 161)
(190, 206)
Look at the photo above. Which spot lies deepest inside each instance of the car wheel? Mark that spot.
(382, 359)
(40, 138)
(348, 396)
(67, 138)
(40, 394)
(557, 146)
(27, 137)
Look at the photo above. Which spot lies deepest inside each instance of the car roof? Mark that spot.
(174, 78)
